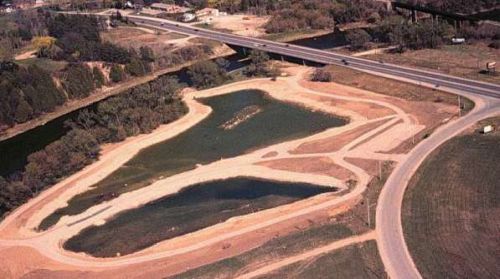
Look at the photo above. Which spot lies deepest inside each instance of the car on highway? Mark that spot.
(345, 62)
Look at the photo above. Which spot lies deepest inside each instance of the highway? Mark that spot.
(328, 57)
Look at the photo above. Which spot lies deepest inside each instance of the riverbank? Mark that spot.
(99, 95)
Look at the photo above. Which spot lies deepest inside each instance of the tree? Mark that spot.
(358, 39)
(258, 64)
(137, 67)
(206, 74)
(78, 80)
(321, 75)
(24, 112)
(98, 76)
(147, 54)
(116, 73)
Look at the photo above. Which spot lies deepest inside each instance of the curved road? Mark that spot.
(390, 241)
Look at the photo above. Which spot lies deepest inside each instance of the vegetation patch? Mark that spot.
(395, 88)
(355, 261)
(273, 250)
(451, 209)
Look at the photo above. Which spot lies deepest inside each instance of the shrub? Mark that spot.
(495, 44)
(116, 73)
(321, 75)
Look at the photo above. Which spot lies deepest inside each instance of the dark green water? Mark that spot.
(192, 209)
(205, 143)
(14, 151)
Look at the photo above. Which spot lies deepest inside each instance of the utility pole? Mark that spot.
(379, 171)
(368, 212)
(459, 107)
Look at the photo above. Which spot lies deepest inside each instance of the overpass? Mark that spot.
(435, 13)
(328, 58)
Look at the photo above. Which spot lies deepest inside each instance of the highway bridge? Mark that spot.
(327, 57)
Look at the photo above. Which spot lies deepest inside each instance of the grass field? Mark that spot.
(459, 60)
(451, 213)
(272, 250)
(355, 261)
(390, 87)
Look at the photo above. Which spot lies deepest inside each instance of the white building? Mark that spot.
(187, 17)
(207, 12)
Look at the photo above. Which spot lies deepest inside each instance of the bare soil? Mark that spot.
(335, 143)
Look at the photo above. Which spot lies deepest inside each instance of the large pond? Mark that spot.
(271, 122)
(192, 209)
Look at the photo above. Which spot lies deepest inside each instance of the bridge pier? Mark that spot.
(414, 17)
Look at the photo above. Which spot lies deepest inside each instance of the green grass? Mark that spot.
(451, 211)
(356, 261)
(44, 63)
(272, 250)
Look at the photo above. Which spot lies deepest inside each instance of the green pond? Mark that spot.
(192, 209)
(206, 142)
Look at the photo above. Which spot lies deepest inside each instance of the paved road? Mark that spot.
(327, 57)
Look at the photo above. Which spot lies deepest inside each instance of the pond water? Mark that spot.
(206, 142)
(192, 209)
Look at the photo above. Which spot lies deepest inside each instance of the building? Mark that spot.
(169, 8)
(207, 12)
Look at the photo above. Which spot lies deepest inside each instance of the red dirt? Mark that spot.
(317, 165)
(335, 143)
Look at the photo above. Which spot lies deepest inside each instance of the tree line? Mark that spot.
(139, 110)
